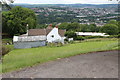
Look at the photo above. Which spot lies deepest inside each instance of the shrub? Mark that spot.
(7, 41)
(70, 34)
(80, 38)
(113, 36)
(66, 40)
(71, 42)
(88, 37)
(58, 44)
(91, 37)
(50, 44)
(118, 35)
(5, 50)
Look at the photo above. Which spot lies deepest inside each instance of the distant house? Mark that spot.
(39, 37)
(90, 34)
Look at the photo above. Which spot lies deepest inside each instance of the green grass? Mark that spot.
(20, 58)
(11, 47)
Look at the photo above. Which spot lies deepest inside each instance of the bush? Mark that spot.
(5, 50)
(70, 34)
(80, 38)
(113, 36)
(66, 40)
(71, 42)
(118, 35)
(7, 41)
(88, 37)
(59, 44)
(91, 37)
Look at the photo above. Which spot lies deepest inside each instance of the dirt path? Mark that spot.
(93, 65)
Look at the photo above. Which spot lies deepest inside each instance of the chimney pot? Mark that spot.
(56, 26)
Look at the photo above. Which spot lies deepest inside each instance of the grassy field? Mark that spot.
(20, 58)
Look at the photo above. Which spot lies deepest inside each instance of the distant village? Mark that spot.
(98, 16)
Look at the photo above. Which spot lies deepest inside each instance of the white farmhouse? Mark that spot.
(39, 37)
(56, 35)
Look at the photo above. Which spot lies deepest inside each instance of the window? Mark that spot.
(52, 36)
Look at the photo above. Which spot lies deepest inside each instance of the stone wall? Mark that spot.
(22, 45)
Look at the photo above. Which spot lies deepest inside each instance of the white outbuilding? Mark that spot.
(90, 34)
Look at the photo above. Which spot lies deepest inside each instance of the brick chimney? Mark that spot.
(56, 26)
(50, 26)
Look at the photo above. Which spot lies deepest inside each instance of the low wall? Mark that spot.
(22, 45)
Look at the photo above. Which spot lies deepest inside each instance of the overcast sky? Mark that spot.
(66, 1)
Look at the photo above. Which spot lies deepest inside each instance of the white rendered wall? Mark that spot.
(15, 38)
(29, 38)
(56, 38)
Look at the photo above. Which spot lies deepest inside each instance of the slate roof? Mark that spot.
(37, 32)
(61, 32)
(48, 31)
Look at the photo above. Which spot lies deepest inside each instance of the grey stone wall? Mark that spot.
(22, 45)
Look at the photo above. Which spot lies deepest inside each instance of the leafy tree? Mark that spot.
(113, 22)
(70, 34)
(63, 25)
(41, 26)
(92, 28)
(15, 20)
(84, 28)
(110, 29)
(73, 26)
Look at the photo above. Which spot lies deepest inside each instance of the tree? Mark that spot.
(92, 27)
(70, 34)
(110, 29)
(15, 20)
(63, 25)
(113, 22)
(84, 28)
(73, 26)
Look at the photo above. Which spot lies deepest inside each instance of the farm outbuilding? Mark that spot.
(90, 34)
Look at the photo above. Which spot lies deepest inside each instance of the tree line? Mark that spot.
(111, 28)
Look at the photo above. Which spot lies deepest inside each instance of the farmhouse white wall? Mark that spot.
(29, 38)
(54, 36)
(15, 38)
